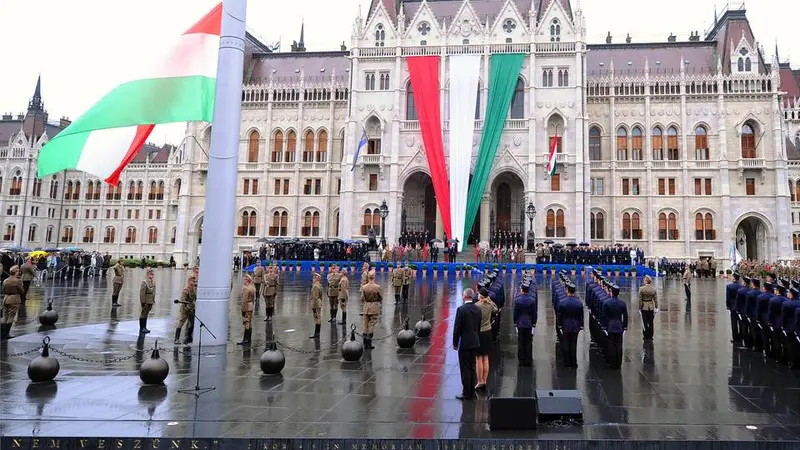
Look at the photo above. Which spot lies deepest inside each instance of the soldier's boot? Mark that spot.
(344, 318)
(396, 299)
(316, 332)
(177, 336)
(246, 339)
(333, 315)
(369, 341)
(5, 330)
(143, 326)
(114, 299)
(189, 336)
(270, 312)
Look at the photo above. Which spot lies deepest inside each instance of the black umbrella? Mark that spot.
(337, 241)
(16, 249)
(571, 244)
(324, 241)
(549, 241)
(451, 241)
(584, 244)
(558, 245)
(436, 241)
(619, 244)
(262, 240)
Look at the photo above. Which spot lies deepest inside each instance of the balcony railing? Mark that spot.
(751, 163)
(516, 124)
(555, 47)
(409, 125)
(370, 159)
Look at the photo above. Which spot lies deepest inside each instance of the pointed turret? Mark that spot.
(36, 118)
(36, 103)
(300, 46)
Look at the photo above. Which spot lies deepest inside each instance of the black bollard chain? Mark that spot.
(23, 353)
(294, 349)
(100, 361)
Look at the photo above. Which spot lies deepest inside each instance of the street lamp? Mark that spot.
(531, 212)
(384, 214)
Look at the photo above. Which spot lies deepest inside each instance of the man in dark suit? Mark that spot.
(465, 339)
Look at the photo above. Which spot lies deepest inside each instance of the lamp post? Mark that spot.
(384, 214)
(530, 210)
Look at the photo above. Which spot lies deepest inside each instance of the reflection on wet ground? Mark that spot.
(689, 384)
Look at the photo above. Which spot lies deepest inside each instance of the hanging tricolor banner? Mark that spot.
(424, 71)
(552, 160)
(503, 75)
(464, 73)
(181, 88)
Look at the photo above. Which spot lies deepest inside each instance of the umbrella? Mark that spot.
(51, 250)
(324, 241)
(262, 240)
(619, 244)
(558, 245)
(38, 254)
(451, 241)
(571, 244)
(549, 241)
(436, 241)
(16, 249)
(584, 244)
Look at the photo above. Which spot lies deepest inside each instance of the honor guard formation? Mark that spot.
(765, 316)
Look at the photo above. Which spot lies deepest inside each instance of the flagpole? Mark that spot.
(214, 287)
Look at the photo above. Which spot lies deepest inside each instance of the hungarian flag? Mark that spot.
(179, 89)
(552, 160)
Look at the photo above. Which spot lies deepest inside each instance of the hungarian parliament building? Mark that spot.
(683, 148)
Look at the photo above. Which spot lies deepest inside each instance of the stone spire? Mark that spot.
(33, 125)
(36, 103)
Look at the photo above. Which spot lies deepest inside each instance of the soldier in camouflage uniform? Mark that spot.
(270, 291)
(248, 298)
(147, 297)
(316, 303)
(344, 285)
(333, 292)
(371, 298)
(119, 278)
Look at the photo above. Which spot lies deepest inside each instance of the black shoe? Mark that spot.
(465, 398)
(344, 319)
(316, 332)
(177, 337)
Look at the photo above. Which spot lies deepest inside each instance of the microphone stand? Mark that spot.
(197, 391)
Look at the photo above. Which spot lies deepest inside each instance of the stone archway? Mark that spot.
(419, 205)
(508, 204)
(195, 242)
(752, 238)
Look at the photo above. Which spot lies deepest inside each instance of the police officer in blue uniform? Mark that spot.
(774, 319)
(615, 322)
(570, 316)
(750, 308)
(526, 307)
(741, 311)
(730, 304)
(762, 313)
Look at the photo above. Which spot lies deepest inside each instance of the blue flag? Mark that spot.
(361, 143)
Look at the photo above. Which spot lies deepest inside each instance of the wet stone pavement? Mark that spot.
(690, 384)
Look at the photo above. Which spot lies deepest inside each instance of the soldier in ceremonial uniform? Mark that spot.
(365, 274)
(408, 273)
(570, 313)
(741, 312)
(774, 318)
(648, 306)
(615, 322)
(750, 312)
(147, 297)
(316, 303)
(249, 294)
(270, 291)
(12, 297)
(28, 273)
(188, 300)
(525, 318)
(371, 297)
(258, 277)
(344, 285)
(119, 278)
(333, 292)
(788, 310)
(762, 314)
(730, 304)
(398, 278)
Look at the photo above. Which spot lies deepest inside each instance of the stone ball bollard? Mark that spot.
(352, 350)
(48, 317)
(44, 367)
(155, 369)
(423, 328)
(406, 338)
(272, 360)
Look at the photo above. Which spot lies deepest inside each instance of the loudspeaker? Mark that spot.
(518, 413)
(558, 405)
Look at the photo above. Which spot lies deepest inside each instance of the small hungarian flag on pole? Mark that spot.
(552, 160)
(181, 88)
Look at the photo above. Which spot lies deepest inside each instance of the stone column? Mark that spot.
(439, 224)
(485, 207)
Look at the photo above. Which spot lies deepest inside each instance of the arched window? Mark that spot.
(658, 144)
(291, 146)
(88, 235)
(310, 224)
(248, 226)
(622, 144)
(151, 194)
(748, 141)
(280, 224)
(797, 191)
(160, 190)
(796, 147)
(626, 226)
(561, 229)
(308, 147)
(550, 227)
(16, 184)
(11, 232)
(631, 226)
(152, 235)
(139, 190)
(672, 144)
(53, 188)
(76, 192)
(89, 190)
(277, 146)
(748, 65)
(37, 187)
(49, 234)
(555, 31)
(110, 236)
(791, 191)
(32, 233)
(68, 191)
(178, 183)
(636, 144)
(322, 146)
(668, 227)
(372, 219)
(595, 144)
(796, 242)
(252, 146)
(130, 235)
(517, 110)
(173, 234)
(598, 225)
(131, 190)
(68, 235)
(478, 104)
(380, 35)
(704, 227)
(701, 144)
(411, 106)
(740, 65)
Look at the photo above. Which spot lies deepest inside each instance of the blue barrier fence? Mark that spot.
(439, 267)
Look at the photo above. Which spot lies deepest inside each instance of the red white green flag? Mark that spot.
(181, 88)
(552, 160)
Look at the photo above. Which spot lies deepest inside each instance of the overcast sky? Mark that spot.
(83, 48)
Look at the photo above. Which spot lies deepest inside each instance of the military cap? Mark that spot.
(746, 280)
(781, 288)
(772, 275)
(795, 292)
(526, 285)
(736, 276)
(769, 286)
(614, 290)
(756, 282)
(796, 284)
(13, 269)
(570, 288)
(483, 291)
(563, 271)
(484, 282)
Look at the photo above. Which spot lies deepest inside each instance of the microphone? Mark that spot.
(176, 301)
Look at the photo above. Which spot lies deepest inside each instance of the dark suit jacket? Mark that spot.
(467, 326)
